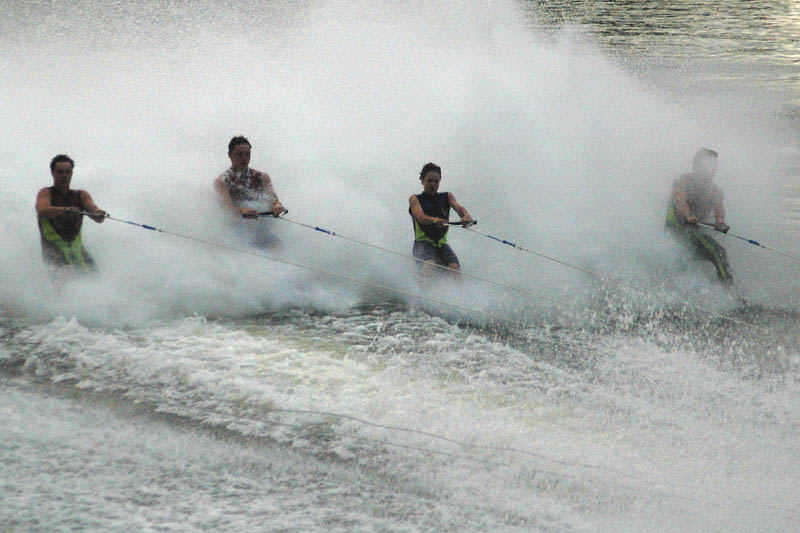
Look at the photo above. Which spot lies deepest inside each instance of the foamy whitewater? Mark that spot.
(604, 382)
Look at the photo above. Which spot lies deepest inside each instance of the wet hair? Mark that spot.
(239, 139)
(61, 158)
(429, 167)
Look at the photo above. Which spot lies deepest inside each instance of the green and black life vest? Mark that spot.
(61, 234)
(434, 206)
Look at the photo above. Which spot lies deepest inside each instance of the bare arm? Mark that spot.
(460, 209)
(91, 207)
(419, 214)
(719, 207)
(225, 199)
(277, 206)
(681, 205)
(719, 212)
(43, 207)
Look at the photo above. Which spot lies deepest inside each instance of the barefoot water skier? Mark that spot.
(59, 211)
(245, 192)
(694, 197)
(430, 211)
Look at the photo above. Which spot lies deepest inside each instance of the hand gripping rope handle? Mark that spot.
(461, 224)
(751, 241)
(265, 214)
(453, 223)
(106, 215)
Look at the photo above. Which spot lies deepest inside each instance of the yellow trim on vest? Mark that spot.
(420, 236)
(73, 251)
